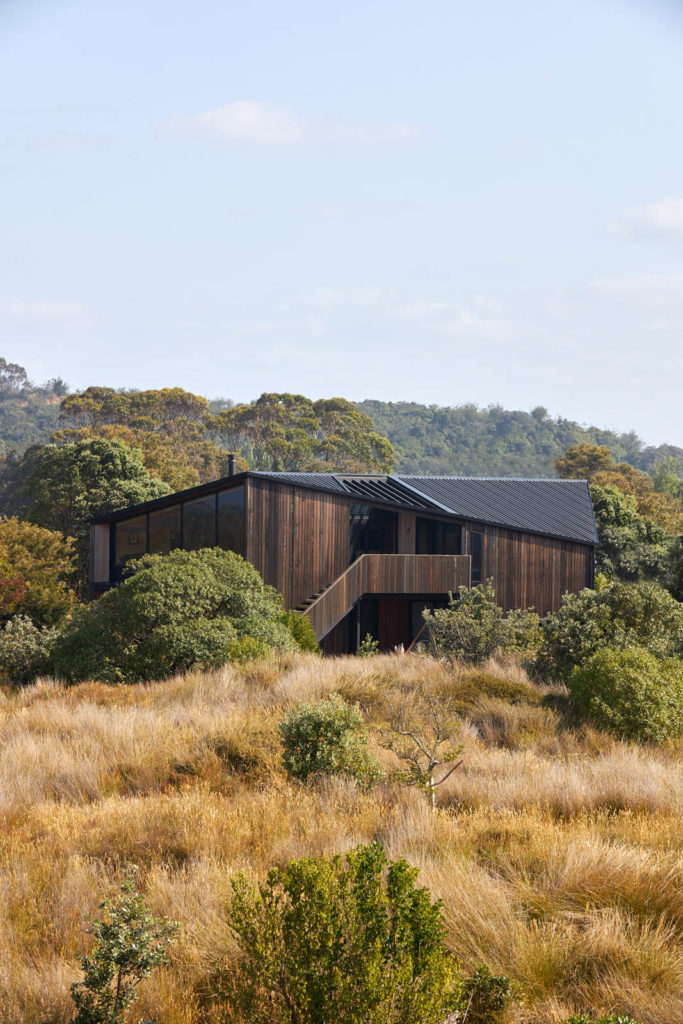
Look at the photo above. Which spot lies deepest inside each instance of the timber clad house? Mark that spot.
(362, 554)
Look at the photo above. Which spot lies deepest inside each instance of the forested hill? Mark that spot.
(471, 441)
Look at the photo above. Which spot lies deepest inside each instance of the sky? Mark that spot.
(441, 202)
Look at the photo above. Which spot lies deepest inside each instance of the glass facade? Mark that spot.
(199, 523)
(230, 520)
(164, 530)
(130, 540)
(434, 538)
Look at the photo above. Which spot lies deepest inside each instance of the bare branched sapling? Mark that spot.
(422, 736)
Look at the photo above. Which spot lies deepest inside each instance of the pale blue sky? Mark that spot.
(439, 202)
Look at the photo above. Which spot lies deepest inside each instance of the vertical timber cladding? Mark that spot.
(298, 539)
(530, 570)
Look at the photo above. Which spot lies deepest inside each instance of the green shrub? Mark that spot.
(327, 738)
(473, 627)
(631, 693)
(26, 651)
(368, 646)
(485, 997)
(129, 944)
(172, 613)
(301, 628)
(349, 940)
(621, 615)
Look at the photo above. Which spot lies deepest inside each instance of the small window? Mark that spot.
(476, 545)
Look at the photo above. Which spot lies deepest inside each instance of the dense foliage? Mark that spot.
(36, 571)
(327, 738)
(473, 627)
(470, 441)
(350, 940)
(621, 615)
(631, 693)
(174, 612)
(291, 432)
(26, 651)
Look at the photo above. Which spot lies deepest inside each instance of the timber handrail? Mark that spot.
(386, 574)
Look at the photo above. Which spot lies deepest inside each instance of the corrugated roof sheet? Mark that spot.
(557, 508)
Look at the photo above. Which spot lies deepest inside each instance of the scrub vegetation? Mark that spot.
(555, 847)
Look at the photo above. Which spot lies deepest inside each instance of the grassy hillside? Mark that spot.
(555, 848)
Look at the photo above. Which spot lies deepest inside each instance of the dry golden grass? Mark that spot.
(555, 849)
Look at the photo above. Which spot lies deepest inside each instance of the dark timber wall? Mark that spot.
(532, 571)
(299, 540)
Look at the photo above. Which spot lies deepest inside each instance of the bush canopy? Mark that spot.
(621, 615)
(172, 613)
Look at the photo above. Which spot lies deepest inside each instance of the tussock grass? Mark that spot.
(555, 848)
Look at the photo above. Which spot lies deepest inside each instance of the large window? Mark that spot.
(434, 538)
(230, 523)
(373, 531)
(131, 539)
(199, 523)
(164, 530)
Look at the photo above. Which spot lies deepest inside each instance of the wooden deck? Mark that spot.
(387, 574)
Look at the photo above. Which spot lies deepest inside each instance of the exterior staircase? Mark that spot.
(393, 575)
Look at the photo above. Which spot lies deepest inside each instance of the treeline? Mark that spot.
(469, 441)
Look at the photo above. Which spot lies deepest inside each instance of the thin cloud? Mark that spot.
(662, 221)
(248, 121)
(22, 312)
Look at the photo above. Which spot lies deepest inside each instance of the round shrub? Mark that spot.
(327, 738)
(631, 693)
(622, 615)
(25, 651)
(174, 612)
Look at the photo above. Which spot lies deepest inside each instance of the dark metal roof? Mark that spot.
(556, 508)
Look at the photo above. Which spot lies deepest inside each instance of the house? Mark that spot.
(365, 554)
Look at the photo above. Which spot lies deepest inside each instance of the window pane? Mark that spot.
(475, 551)
(131, 539)
(435, 538)
(164, 530)
(231, 520)
(199, 523)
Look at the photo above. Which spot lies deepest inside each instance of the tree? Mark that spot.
(13, 378)
(290, 432)
(129, 943)
(169, 426)
(582, 461)
(327, 738)
(172, 613)
(630, 546)
(37, 568)
(622, 615)
(349, 940)
(64, 488)
(419, 736)
(25, 651)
